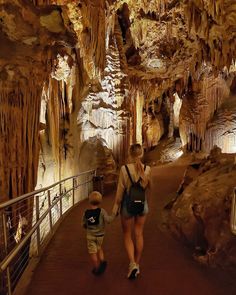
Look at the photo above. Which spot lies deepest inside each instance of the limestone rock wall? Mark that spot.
(18, 149)
(200, 102)
(221, 129)
(58, 102)
(200, 216)
(24, 67)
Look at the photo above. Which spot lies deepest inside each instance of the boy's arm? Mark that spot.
(108, 218)
(84, 223)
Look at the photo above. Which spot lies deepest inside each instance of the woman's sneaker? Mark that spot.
(133, 269)
(138, 271)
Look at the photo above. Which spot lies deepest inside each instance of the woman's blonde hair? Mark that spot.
(136, 151)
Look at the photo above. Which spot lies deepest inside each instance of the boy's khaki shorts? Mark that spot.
(94, 244)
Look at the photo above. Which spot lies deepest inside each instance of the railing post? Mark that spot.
(87, 184)
(50, 210)
(4, 224)
(73, 192)
(233, 213)
(37, 218)
(60, 189)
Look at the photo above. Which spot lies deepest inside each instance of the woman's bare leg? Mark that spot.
(138, 231)
(127, 232)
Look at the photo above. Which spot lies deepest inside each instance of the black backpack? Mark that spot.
(92, 216)
(135, 198)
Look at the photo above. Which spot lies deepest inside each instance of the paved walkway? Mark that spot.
(167, 268)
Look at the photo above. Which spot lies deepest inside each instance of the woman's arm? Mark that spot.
(119, 192)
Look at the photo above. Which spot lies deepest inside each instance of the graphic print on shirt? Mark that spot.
(92, 219)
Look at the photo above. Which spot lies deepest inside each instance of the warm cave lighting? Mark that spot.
(177, 106)
(156, 63)
(233, 66)
(229, 146)
(178, 154)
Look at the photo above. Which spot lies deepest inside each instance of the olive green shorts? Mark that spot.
(94, 243)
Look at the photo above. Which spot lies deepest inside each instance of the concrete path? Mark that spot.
(167, 267)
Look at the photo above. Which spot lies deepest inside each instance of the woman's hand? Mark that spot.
(115, 209)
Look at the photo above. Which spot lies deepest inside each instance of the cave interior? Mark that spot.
(82, 80)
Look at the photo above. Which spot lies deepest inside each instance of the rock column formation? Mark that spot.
(104, 112)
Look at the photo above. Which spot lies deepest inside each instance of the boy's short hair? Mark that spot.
(95, 198)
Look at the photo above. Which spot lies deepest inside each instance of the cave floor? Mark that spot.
(167, 267)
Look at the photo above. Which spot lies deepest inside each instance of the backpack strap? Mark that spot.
(144, 171)
(127, 169)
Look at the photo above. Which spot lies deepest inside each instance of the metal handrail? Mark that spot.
(25, 196)
(47, 208)
(233, 213)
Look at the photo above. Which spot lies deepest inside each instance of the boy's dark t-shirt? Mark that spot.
(92, 216)
(94, 221)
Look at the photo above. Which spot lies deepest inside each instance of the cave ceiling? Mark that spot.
(161, 41)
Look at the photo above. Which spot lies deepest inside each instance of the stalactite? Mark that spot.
(89, 24)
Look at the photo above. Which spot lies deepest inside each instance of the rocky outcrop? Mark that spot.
(94, 154)
(200, 216)
(221, 130)
(166, 151)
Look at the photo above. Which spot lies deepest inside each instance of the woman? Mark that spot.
(130, 221)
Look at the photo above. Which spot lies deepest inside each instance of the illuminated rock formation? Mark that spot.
(104, 112)
(200, 214)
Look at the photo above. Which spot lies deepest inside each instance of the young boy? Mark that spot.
(94, 220)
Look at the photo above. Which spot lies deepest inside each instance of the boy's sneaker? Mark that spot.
(102, 266)
(95, 271)
(133, 269)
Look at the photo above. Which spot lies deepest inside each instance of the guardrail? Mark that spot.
(233, 213)
(29, 221)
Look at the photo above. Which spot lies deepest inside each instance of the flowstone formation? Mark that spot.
(200, 214)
